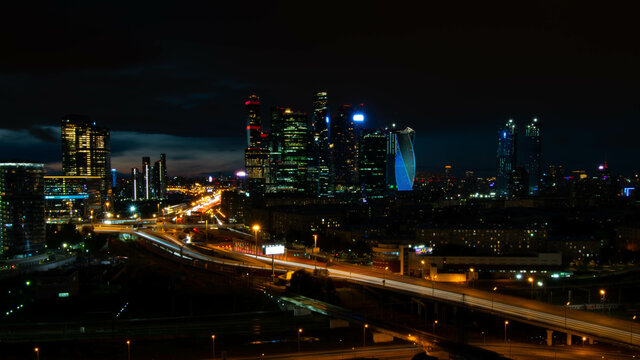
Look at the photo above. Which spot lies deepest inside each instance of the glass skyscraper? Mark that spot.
(86, 150)
(256, 155)
(343, 149)
(373, 162)
(507, 158)
(319, 155)
(22, 211)
(533, 152)
(401, 156)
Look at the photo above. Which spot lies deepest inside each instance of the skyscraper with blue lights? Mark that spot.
(533, 151)
(400, 153)
(507, 158)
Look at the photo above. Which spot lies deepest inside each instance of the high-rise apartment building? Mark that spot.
(507, 158)
(22, 210)
(71, 198)
(533, 153)
(86, 149)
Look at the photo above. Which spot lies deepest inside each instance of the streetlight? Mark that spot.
(530, 279)
(129, 349)
(506, 322)
(422, 262)
(492, 294)
(565, 313)
(315, 256)
(299, 333)
(384, 275)
(256, 228)
(583, 339)
(364, 334)
(435, 322)
(37, 351)
(633, 318)
(213, 345)
(602, 294)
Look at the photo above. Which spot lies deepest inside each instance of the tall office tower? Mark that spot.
(22, 222)
(254, 123)
(160, 178)
(343, 149)
(71, 198)
(290, 150)
(319, 156)
(507, 158)
(146, 178)
(114, 180)
(533, 152)
(373, 163)
(401, 160)
(86, 149)
(135, 184)
(256, 156)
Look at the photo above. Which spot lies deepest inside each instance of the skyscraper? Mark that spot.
(135, 184)
(86, 149)
(146, 178)
(533, 152)
(401, 155)
(319, 155)
(254, 122)
(373, 162)
(507, 158)
(343, 149)
(290, 149)
(256, 156)
(22, 221)
(160, 178)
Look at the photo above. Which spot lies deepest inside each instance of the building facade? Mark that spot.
(507, 158)
(534, 155)
(22, 210)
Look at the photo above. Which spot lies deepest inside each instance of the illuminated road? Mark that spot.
(552, 317)
(373, 352)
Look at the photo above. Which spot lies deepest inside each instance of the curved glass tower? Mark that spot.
(405, 160)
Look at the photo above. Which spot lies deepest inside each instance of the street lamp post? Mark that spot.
(384, 275)
(506, 322)
(565, 313)
(129, 349)
(435, 322)
(631, 328)
(256, 228)
(299, 333)
(37, 351)
(213, 345)
(422, 262)
(492, 294)
(364, 334)
(530, 279)
(602, 294)
(315, 256)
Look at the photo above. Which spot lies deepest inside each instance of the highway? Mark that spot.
(548, 316)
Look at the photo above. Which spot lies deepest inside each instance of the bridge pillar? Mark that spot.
(568, 339)
(549, 337)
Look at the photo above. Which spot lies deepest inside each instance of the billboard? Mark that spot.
(423, 250)
(273, 249)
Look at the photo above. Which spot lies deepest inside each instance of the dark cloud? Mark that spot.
(45, 134)
(445, 69)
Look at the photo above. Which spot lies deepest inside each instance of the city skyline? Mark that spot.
(454, 73)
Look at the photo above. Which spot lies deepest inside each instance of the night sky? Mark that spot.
(173, 76)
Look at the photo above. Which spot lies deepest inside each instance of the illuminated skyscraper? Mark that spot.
(319, 155)
(289, 147)
(256, 155)
(401, 155)
(343, 148)
(86, 149)
(254, 122)
(507, 158)
(160, 178)
(135, 184)
(22, 212)
(533, 152)
(373, 162)
(146, 178)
